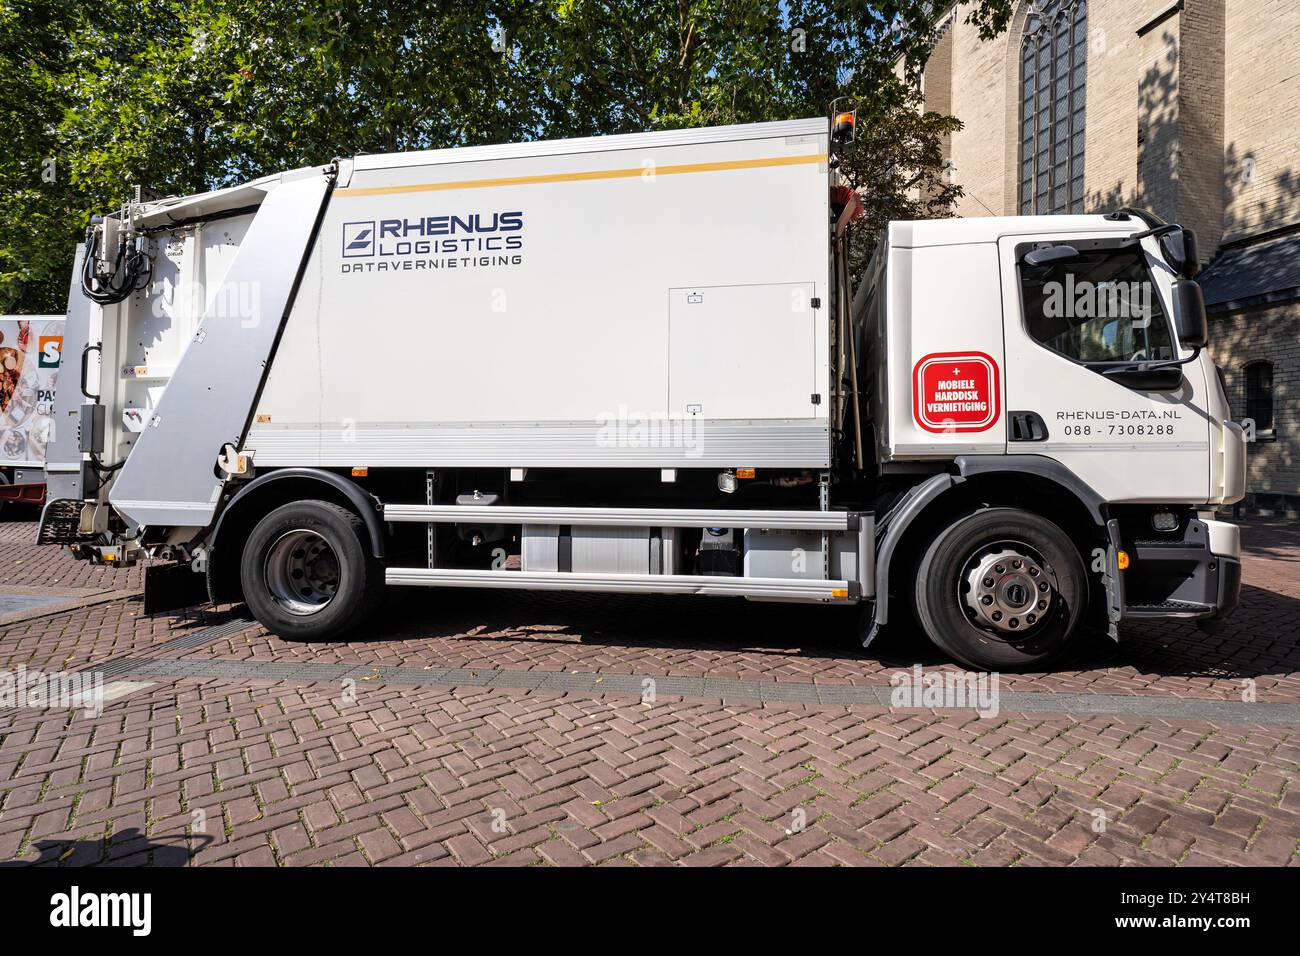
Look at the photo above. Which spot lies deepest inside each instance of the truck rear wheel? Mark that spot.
(307, 572)
(1000, 589)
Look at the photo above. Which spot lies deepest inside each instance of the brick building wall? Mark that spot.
(980, 92)
(1200, 148)
(1272, 465)
(1192, 109)
(936, 85)
(1261, 117)
(1261, 182)
(1132, 105)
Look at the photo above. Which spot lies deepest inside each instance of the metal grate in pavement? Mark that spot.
(188, 642)
(207, 635)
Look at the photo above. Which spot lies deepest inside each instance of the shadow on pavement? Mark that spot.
(722, 624)
(1258, 640)
(128, 847)
(1275, 541)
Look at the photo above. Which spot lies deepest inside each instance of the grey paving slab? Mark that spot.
(711, 688)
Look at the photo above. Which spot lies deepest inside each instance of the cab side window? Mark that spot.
(1259, 398)
(1101, 306)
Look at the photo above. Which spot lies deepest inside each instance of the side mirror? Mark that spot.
(1040, 257)
(1189, 315)
(1181, 251)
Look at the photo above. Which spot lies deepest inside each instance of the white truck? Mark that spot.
(30, 351)
(634, 364)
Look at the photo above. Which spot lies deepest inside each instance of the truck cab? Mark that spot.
(1060, 363)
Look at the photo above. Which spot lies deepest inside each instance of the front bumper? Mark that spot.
(1229, 587)
(1194, 576)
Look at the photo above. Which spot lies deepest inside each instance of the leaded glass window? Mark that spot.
(1053, 73)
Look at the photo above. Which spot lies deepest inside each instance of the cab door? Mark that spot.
(1070, 321)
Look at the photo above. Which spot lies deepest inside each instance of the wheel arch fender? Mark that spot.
(944, 491)
(896, 523)
(969, 466)
(270, 489)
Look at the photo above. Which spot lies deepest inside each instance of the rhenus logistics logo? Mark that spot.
(358, 239)
(454, 241)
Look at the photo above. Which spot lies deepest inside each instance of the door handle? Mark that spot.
(1027, 426)
(85, 368)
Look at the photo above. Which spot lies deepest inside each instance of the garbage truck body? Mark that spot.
(637, 364)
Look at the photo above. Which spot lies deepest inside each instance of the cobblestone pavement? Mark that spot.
(473, 727)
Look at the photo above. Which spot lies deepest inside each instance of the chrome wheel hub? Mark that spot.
(302, 572)
(1007, 588)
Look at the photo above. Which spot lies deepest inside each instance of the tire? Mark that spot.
(1001, 589)
(307, 572)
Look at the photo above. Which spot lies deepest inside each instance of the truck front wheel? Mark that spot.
(1000, 589)
(307, 573)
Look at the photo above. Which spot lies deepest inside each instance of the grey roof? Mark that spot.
(1262, 272)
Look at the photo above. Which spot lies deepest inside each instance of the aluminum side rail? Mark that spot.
(707, 584)
(627, 517)
(787, 589)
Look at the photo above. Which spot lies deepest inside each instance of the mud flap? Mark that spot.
(1114, 583)
(889, 532)
(168, 587)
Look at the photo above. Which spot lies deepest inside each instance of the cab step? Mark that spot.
(60, 522)
(1188, 610)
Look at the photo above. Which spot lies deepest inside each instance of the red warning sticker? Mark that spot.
(955, 392)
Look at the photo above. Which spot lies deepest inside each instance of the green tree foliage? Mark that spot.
(183, 96)
(36, 200)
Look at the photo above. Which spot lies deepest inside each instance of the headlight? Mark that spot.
(1164, 521)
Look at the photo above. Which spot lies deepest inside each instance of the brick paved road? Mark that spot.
(230, 746)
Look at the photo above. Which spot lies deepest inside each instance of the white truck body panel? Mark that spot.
(929, 316)
(150, 332)
(30, 351)
(170, 477)
(612, 293)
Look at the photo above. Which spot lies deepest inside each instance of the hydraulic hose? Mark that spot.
(132, 269)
